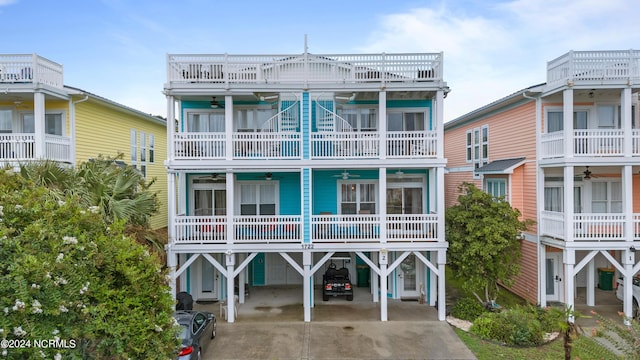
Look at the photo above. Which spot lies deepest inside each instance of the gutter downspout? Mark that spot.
(72, 128)
(541, 262)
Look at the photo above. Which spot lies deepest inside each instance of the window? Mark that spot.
(361, 119)
(407, 120)
(469, 146)
(133, 140)
(205, 121)
(477, 146)
(553, 198)
(143, 153)
(496, 187)
(606, 197)
(152, 149)
(258, 199)
(357, 196)
(606, 117)
(251, 120)
(54, 124)
(555, 120)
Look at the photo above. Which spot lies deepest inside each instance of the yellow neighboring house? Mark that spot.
(41, 118)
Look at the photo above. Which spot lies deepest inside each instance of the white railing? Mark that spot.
(412, 144)
(598, 142)
(552, 224)
(286, 120)
(200, 229)
(27, 68)
(345, 228)
(57, 147)
(267, 229)
(552, 145)
(636, 226)
(199, 145)
(635, 140)
(305, 68)
(412, 228)
(345, 145)
(620, 65)
(266, 145)
(598, 227)
(17, 147)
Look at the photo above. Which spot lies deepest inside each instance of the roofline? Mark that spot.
(511, 99)
(508, 170)
(76, 91)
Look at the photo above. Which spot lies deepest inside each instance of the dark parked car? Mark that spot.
(336, 282)
(198, 328)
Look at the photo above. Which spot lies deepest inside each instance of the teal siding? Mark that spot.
(306, 201)
(306, 126)
(325, 189)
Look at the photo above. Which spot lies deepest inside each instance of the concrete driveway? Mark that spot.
(270, 326)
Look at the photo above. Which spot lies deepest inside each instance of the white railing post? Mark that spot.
(569, 232)
(567, 111)
(382, 123)
(625, 109)
(627, 202)
(382, 195)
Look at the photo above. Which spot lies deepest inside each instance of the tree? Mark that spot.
(484, 249)
(70, 277)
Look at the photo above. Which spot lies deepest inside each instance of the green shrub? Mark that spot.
(516, 327)
(467, 308)
(550, 318)
(66, 275)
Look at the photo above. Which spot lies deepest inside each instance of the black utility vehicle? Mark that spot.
(336, 282)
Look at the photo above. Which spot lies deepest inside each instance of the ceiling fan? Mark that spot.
(588, 174)
(213, 177)
(268, 176)
(215, 104)
(345, 175)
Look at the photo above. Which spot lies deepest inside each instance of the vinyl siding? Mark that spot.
(526, 284)
(103, 130)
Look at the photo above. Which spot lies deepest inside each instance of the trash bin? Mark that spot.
(605, 278)
(363, 275)
(185, 301)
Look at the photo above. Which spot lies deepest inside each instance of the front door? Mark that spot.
(408, 278)
(553, 278)
(207, 286)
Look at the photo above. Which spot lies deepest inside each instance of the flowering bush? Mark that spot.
(75, 283)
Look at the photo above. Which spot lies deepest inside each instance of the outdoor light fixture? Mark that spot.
(215, 104)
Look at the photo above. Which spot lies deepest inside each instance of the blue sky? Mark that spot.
(117, 48)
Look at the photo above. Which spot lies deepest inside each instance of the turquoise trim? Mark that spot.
(409, 103)
(306, 204)
(306, 126)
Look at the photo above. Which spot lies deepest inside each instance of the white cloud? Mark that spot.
(505, 48)
(7, 2)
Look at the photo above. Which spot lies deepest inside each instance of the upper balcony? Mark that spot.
(21, 147)
(589, 143)
(304, 71)
(30, 68)
(600, 227)
(594, 67)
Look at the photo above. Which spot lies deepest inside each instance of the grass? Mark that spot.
(486, 350)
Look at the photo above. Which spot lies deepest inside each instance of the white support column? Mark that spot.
(439, 122)
(442, 299)
(38, 119)
(567, 110)
(591, 283)
(171, 207)
(440, 210)
(181, 206)
(382, 196)
(306, 285)
(231, 233)
(626, 118)
(228, 127)
(628, 260)
(384, 261)
(569, 280)
(172, 263)
(241, 279)
(382, 123)
(542, 277)
(375, 285)
(231, 304)
(433, 282)
(170, 128)
(627, 203)
(568, 203)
